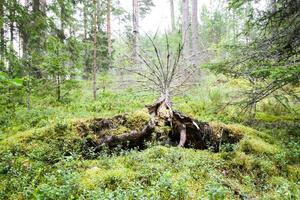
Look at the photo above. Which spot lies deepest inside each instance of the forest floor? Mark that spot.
(43, 156)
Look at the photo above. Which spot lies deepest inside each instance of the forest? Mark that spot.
(149, 99)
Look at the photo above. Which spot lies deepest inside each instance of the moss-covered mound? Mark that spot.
(117, 125)
(51, 163)
(135, 129)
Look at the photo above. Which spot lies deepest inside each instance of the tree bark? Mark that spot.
(195, 35)
(2, 39)
(172, 15)
(95, 51)
(36, 42)
(58, 90)
(185, 28)
(11, 30)
(135, 18)
(36, 5)
(108, 27)
(85, 40)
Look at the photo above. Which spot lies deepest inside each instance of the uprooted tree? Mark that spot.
(167, 75)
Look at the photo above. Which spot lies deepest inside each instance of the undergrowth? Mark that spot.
(42, 155)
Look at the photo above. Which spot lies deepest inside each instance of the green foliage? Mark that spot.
(266, 53)
(51, 164)
(11, 91)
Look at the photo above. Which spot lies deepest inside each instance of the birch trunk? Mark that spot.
(135, 17)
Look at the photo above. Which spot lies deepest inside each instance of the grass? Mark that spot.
(42, 155)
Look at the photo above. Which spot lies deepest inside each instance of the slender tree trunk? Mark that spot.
(195, 35)
(85, 40)
(11, 31)
(36, 46)
(58, 89)
(119, 18)
(95, 51)
(185, 28)
(172, 15)
(28, 96)
(36, 5)
(62, 21)
(135, 17)
(108, 27)
(2, 40)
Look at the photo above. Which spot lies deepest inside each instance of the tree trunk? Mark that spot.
(172, 15)
(119, 17)
(61, 32)
(36, 42)
(185, 28)
(195, 35)
(95, 50)
(135, 17)
(108, 27)
(36, 5)
(11, 49)
(58, 90)
(85, 40)
(2, 40)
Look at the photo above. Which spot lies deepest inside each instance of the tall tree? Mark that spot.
(135, 16)
(85, 40)
(185, 28)
(95, 50)
(11, 33)
(108, 27)
(172, 15)
(195, 34)
(2, 40)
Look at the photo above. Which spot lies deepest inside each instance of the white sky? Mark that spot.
(160, 16)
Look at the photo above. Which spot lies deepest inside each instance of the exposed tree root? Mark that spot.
(163, 124)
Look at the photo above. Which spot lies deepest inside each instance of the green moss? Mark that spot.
(137, 119)
(47, 144)
(257, 146)
(95, 177)
(163, 130)
(293, 172)
(117, 131)
(235, 131)
(275, 118)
